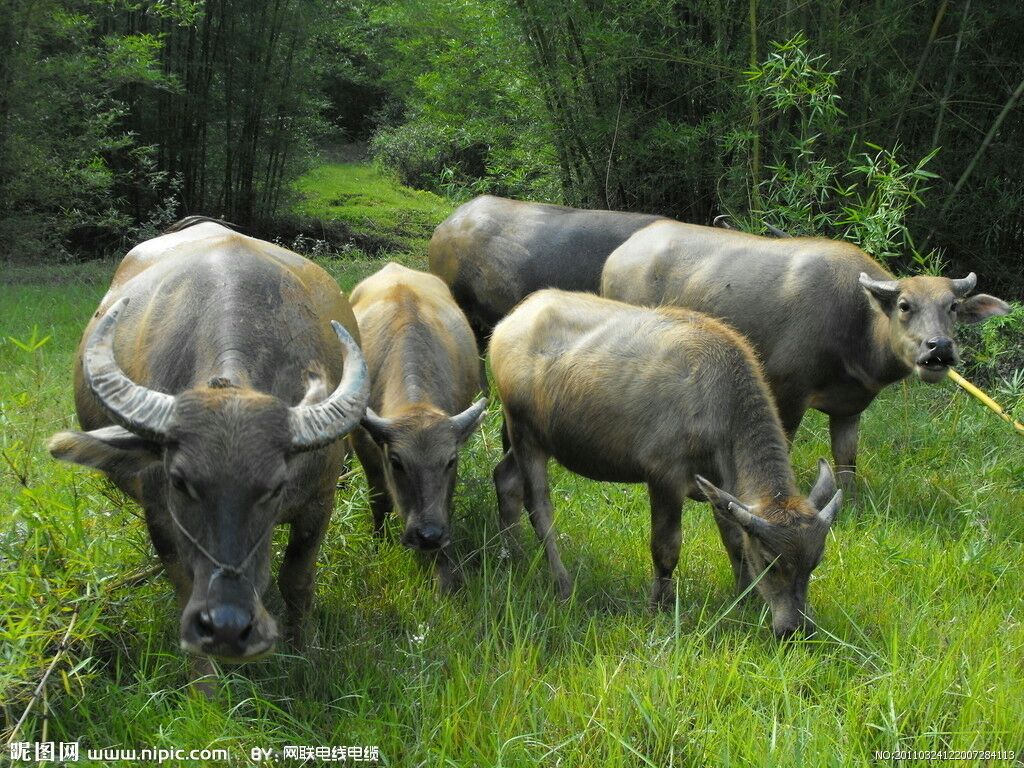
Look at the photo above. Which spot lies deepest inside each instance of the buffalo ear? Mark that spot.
(115, 450)
(378, 427)
(981, 307)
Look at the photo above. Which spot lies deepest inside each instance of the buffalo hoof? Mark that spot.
(449, 576)
(847, 482)
(663, 594)
(563, 586)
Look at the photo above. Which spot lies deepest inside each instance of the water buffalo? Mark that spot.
(211, 388)
(423, 368)
(666, 397)
(831, 326)
(493, 252)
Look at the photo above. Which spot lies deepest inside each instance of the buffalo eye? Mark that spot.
(954, 307)
(396, 463)
(904, 306)
(181, 485)
(274, 493)
(451, 463)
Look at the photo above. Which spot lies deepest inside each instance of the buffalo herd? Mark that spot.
(223, 381)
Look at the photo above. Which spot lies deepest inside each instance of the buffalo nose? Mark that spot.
(224, 625)
(431, 534)
(942, 346)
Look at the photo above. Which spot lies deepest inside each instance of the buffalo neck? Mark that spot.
(761, 466)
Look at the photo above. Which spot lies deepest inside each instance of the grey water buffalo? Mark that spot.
(212, 386)
(493, 252)
(666, 397)
(831, 326)
(423, 366)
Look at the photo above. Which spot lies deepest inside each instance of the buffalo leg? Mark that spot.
(844, 432)
(380, 498)
(298, 568)
(508, 483)
(446, 568)
(666, 511)
(533, 463)
(791, 417)
(732, 538)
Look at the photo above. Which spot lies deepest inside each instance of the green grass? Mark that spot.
(920, 601)
(369, 202)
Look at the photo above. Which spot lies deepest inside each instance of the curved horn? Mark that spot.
(824, 487)
(144, 411)
(775, 231)
(881, 289)
(378, 427)
(828, 514)
(314, 426)
(748, 521)
(964, 285)
(722, 221)
(465, 422)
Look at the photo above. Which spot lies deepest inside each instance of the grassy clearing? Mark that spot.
(920, 601)
(920, 597)
(367, 201)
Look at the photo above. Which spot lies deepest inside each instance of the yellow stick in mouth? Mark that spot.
(992, 404)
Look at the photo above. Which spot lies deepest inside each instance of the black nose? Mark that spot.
(224, 625)
(941, 347)
(430, 535)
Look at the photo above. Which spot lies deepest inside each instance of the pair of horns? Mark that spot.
(824, 488)
(150, 414)
(891, 288)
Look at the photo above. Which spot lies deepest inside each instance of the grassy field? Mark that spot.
(920, 602)
(361, 197)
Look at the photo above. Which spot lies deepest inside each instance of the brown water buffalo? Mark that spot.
(494, 252)
(213, 390)
(423, 368)
(665, 397)
(831, 326)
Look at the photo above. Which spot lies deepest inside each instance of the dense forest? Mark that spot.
(896, 124)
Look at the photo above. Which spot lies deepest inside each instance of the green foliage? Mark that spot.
(792, 79)
(876, 206)
(467, 117)
(61, 124)
(994, 350)
(386, 215)
(865, 197)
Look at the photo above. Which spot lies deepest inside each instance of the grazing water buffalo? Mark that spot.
(212, 390)
(831, 326)
(494, 252)
(423, 368)
(664, 397)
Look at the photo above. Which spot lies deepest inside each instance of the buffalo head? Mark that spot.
(421, 454)
(783, 542)
(923, 312)
(219, 460)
